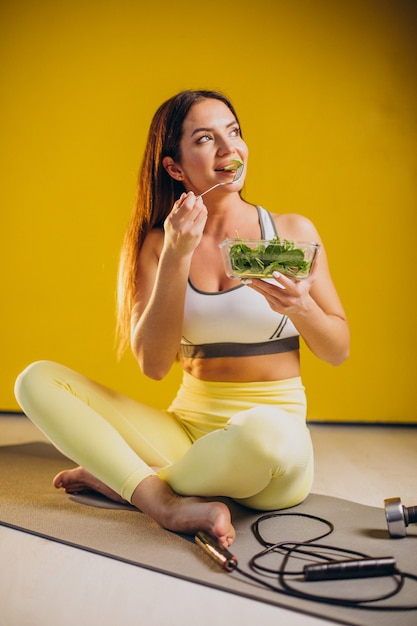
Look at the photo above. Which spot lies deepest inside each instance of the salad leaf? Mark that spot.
(234, 165)
(280, 256)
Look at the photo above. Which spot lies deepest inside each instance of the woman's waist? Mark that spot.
(246, 369)
(210, 404)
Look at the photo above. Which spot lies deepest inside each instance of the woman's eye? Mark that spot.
(203, 139)
(234, 132)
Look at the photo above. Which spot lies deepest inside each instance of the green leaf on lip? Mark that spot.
(234, 165)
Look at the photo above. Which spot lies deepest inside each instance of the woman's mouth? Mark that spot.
(232, 166)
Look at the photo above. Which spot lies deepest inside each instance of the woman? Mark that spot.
(237, 426)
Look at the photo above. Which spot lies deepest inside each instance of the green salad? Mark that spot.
(234, 165)
(262, 260)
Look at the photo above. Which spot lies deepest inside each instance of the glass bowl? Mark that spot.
(259, 258)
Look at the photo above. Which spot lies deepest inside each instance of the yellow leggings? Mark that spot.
(246, 441)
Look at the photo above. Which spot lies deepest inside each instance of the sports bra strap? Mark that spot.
(268, 229)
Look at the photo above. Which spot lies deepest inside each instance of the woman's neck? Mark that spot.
(232, 219)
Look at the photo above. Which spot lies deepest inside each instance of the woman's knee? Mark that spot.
(271, 431)
(36, 385)
(30, 377)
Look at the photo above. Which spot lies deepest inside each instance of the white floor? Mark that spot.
(43, 583)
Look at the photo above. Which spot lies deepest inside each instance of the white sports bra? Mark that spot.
(235, 322)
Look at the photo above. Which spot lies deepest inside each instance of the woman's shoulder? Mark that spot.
(294, 226)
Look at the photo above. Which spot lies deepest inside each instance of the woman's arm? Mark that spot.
(164, 266)
(312, 304)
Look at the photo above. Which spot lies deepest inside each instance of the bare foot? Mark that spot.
(78, 480)
(155, 498)
(186, 514)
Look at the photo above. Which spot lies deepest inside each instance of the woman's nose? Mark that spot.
(225, 146)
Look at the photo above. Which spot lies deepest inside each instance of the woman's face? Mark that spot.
(210, 141)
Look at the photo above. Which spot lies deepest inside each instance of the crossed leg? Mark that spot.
(262, 457)
(116, 441)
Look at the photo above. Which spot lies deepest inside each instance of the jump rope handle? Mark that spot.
(223, 557)
(351, 568)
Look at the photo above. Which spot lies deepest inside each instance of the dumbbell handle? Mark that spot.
(410, 514)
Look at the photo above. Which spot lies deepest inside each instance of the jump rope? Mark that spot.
(319, 562)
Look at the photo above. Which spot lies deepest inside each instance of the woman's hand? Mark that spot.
(285, 295)
(185, 224)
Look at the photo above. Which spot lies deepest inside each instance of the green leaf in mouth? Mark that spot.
(233, 166)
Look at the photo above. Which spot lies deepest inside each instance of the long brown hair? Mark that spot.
(155, 195)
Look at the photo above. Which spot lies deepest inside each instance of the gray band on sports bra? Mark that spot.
(213, 350)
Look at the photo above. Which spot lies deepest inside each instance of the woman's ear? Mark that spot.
(173, 169)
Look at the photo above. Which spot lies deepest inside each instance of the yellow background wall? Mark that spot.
(326, 92)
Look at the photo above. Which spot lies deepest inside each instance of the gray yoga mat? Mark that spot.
(28, 502)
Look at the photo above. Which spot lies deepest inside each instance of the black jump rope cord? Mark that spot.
(362, 566)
